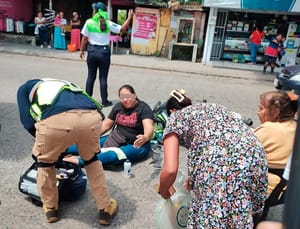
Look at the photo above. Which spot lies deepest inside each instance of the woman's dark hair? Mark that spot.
(128, 87)
(173, 103)
(103, 25)
(285, 102)
(259, 27)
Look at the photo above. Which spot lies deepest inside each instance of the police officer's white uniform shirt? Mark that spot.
(100, 38)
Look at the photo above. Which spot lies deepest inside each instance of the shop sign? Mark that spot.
(270, 5)
(146, 26)
(5, 4)
(16, 9)
(158, 3)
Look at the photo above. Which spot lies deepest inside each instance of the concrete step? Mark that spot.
(18, 38)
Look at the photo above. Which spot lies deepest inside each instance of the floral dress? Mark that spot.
(226, 164)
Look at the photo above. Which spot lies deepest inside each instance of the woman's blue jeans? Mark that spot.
(110, 157)
(253, 52)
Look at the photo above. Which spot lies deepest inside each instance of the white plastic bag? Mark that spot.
(165, 214)
(173, 212)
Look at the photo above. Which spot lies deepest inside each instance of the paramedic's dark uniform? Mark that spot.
(71, 118)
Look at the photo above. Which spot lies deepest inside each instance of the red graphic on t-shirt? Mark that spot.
(127, 120)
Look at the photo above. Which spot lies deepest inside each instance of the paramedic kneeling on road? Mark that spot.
(59, 113)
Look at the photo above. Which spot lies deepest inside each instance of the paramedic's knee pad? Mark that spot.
(94, 158)
(44, 164)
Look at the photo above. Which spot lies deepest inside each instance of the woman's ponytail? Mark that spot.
(103, 25)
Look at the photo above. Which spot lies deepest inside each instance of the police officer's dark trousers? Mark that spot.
(98, 58)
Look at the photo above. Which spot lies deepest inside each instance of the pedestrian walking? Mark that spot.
(59, 113)
(95, 36)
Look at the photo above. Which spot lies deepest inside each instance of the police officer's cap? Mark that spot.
(99, 5)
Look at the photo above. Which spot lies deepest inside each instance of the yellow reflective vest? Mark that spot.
(45, 92)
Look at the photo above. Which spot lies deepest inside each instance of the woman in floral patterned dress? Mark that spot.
(227, 166)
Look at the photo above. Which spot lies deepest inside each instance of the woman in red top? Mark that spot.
(255, 41)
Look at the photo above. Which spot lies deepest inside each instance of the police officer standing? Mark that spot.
(95, 36)
(59, 113)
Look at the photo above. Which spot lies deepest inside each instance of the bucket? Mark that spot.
(19, 27)
(10, 25)
(72, 48)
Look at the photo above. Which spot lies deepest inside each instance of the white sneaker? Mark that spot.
(63, 34)
(42, 46)
(49, 47)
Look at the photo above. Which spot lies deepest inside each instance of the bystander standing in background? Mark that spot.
(256, 38)
(41, 29)
(75, 30)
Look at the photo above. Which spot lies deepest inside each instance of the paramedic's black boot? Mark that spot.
(106, 215)
(265, 68)
(272, 69)
(51, 214)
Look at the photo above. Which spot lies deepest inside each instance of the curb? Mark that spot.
(145, 62)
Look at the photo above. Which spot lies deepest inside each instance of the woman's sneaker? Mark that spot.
(106, 215)
(51, 214)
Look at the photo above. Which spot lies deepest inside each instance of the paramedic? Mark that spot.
(59, 113)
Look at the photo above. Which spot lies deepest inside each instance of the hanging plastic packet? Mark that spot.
(173, 213)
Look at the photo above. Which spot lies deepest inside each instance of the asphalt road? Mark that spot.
(137, 199)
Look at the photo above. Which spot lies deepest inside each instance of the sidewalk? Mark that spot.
(218, 68)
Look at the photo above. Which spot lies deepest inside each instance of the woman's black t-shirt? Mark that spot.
(129, 121)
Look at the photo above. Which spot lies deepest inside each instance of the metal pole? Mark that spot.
(109, 9)
(291, 219)
(50, 5)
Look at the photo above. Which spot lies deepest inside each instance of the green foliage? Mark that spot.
(122, 15)
(199, 42)
(158, 54)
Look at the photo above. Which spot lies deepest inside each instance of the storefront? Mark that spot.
(13, 14)
(231, 22)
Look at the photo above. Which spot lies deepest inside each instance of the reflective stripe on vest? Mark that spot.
(45, 93)
(48, 89)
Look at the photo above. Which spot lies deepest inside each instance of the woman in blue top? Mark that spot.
(131, 121)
